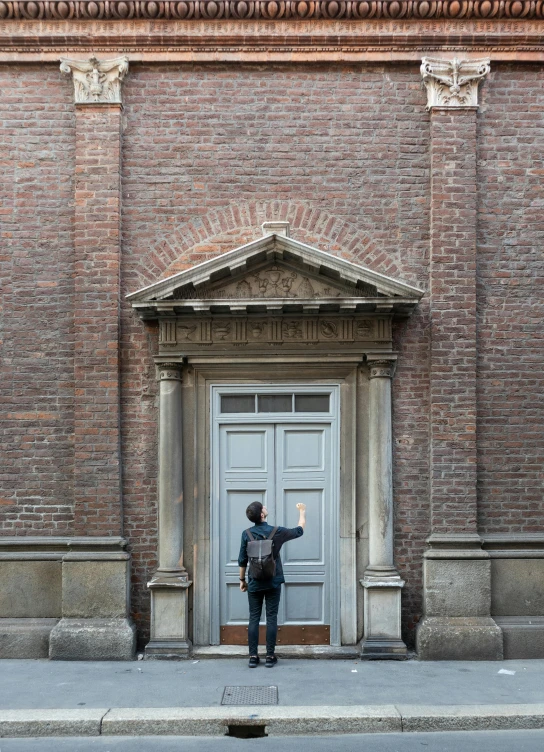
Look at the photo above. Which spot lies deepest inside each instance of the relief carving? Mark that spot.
(96, 81)
(329, 329)
(275, 282)
(223, 10)
(256, 332)
(221, 331)
(453, 83)
(292, 329)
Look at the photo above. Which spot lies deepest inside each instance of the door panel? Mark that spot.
(303, 449)
(246, 453)
(304, 603)
(310, 548)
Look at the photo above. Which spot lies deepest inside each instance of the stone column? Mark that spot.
(170, 583)
(101, 628)
(457, 621)
(382, 584)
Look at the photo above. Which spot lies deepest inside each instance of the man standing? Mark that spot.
(267, 590)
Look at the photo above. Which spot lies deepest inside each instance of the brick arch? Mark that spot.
(221, 230)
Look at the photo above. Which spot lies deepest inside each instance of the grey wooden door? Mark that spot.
(279, 464)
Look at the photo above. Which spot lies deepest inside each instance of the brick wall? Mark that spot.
(510, 301)
(209, 153)
(36, 288)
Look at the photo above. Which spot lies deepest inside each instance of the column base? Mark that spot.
(376, 648)
(168, 650)
(93, 640)
(470, 638)
(169, 616)
(382, 614)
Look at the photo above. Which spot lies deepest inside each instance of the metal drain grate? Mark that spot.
(250, 696)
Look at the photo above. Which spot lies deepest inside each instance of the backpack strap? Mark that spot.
(248, 531)
(273, 533)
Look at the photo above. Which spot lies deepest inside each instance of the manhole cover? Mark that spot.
(250, 696)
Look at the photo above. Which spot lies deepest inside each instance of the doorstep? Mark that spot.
(344, 652)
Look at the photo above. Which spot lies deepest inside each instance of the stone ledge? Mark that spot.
(523, 636)
(442, 638)
(25, 637)
(93, 640)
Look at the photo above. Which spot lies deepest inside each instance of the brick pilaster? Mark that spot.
(97, 481)
(453, 320)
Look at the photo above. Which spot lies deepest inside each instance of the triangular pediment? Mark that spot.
(275, 272)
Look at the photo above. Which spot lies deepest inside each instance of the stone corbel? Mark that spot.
(453, 83)
(96, 81)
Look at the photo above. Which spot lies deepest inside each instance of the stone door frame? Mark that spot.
(334, 420)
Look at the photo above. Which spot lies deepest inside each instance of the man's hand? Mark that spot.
(243, 586)
(301, 515)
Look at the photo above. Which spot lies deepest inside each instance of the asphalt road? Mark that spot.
(465, 741)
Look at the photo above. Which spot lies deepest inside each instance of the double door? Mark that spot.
(279, 464)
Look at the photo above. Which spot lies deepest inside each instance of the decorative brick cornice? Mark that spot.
(96, 81)
(269, 9)
(453, 83)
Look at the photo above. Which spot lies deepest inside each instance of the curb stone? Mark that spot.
(277, 720)
(43, 722)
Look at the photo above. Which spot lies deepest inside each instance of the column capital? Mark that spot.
(382, 367)
(453, 84)
(96, 81)
(169, 371)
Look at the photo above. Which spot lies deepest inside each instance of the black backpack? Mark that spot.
(262, 565)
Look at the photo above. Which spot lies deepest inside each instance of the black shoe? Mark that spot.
(253, 661)
(271, 661)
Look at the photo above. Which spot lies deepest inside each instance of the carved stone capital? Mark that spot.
(453, 83)
(169, 371)
(96, 81)
(382, 369)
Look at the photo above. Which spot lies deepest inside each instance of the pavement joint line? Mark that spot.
(279, 720)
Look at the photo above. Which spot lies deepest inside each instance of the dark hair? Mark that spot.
(253, 512)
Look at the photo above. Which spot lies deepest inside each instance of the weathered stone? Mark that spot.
(93, 640)
(30, 589)
(280, 721)
(459, 639)
(523, 636)
(25, 638)
(475, 718)
(95, 589)
(457, 587)
(38, 722)
(516, 587)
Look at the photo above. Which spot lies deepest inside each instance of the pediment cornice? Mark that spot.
(275, 275)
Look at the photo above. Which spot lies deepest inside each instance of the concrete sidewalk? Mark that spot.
(45, 698)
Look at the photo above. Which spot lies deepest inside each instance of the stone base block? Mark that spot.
(383, 649)
(523, 636)
(93, 640)
(168, 650)
(459, 639)
(25, 638)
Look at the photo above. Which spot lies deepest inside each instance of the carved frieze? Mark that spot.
(96, 81)
(276, 282)
(272, 331)
(101, 10)
(453, 83)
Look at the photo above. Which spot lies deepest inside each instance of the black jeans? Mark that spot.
(272, 600)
